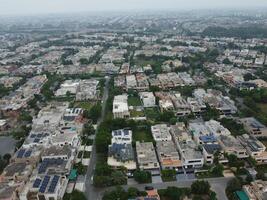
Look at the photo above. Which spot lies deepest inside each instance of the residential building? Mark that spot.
(121, 151)
(256, 190)
(148, 99)
(168, 156)
(254, 127)
(231, 145)
(146, 157)
(120, 106)
(191, 155)
(254, 148)
(160, 132)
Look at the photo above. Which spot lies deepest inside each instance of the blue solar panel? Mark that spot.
(36, 140)
(33, 136)
(44, 184)
(43, 167)
(21, 153)
(28, 153)
(53, 184)
(37, 183)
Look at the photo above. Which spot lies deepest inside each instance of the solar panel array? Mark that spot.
(53, 184)
(23, 153)
(49, 162)
(44, 184)
(37, 183)
(28, 153)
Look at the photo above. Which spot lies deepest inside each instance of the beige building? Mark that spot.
(120, 107)
(168, 155)
(257, 190)
(254, 127)
(146, 156)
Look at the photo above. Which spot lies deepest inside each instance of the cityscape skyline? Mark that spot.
(28, 7)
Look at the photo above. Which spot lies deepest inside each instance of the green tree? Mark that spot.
(75, 195)
(95, 112)
(249, 178)
(132, 192)
(217, 170)
(118, 178)
(200, 187)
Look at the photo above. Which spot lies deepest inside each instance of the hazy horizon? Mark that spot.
(28, 7)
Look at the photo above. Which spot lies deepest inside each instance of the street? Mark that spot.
(218, 185)
(91, 192)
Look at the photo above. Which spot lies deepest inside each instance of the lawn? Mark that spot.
(86, 105)
(87, 142)
(202, 175)
(142, 136)
(168, 175)
(135, 113)
(86, 154)
(263, 108)
(134, 101)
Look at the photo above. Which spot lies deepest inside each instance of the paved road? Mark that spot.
(218, 185)
(91, 192)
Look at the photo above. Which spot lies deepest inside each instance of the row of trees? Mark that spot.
(121, 194)
(198, 190)
(94, 113)
(105, 176)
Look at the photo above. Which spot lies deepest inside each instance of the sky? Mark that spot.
(25, 7)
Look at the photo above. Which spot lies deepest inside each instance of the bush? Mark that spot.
(174, 193)
(142, 176)
(168, 175)
(75, 195)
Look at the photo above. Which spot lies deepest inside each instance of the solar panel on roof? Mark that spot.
(21, 153)
(36, 140)
(44, 184)
(28, 153)
(37, 183)
(53, 184)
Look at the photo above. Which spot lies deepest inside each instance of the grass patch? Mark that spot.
(86, 154)
(263, 108)
(142, 136)
(88, 142)
(261, 168)
(168, 175)
(86, 105)
(135, 113)
(134, 101)
(202, 175)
